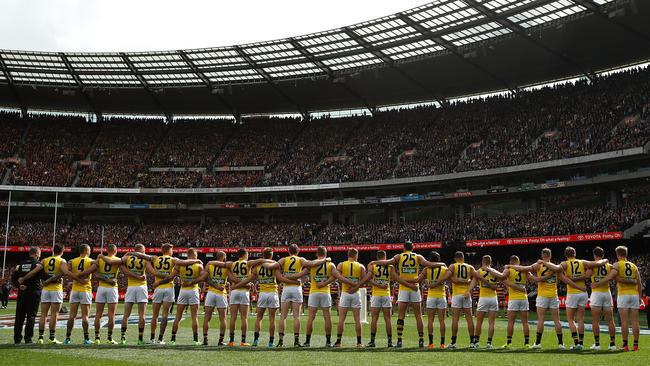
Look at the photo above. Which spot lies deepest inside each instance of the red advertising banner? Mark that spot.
(283, 249)
(546, 239)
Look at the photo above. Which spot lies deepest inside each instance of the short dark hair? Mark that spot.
(621, 251)
(267, 253)
(546, 252)
(599, 252)
(167, 247)
(34, 250)
(570, 252)
(293, 249)
(221, 255)
(486, 258)
(321, 251)
(381, 254)
(241, 252)
(408, 245)
(352, 252)
(459, 255)
(57, 249)
(514, 258)
(434, 256)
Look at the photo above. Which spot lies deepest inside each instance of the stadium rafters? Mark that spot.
(406, 57)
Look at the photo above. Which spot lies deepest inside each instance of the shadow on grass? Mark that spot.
(311, 349)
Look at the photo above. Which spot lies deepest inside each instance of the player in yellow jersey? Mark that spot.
(408, 265)
(189, 273)
(601, 297)
(573, 274)
(488, 303)
(106, 276)
(267, 277)
(53, 269)
(628, 300)
(350, 298)
(81, 294)
(380, 301)
(436, 297)
(216, 280)
(163, 294)
(292, 293)
(546, 277)
(321, 276)
(462, 282)
(515, 281)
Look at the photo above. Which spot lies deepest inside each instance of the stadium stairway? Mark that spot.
(637, 231)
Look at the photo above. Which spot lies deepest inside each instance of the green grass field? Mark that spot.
(185, 354)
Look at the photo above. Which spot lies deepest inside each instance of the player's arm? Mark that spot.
(243, 283)
(511, 284)
(471, 286)
(284, 279)
(91, 269)
(65, 269)
(274, 265)
(227, 264)
(396, 278)
(314, 263)
(553, 267)
(639, 286)
(167, 278)
(127, 272)
(256, 262)
(295, 276)
(370, 275)
(194, 281)
(185, 262)
(519, 268)
(360, 283)
(613, 272)
(425, 263)
(501, 276)
(386, 262)
(112, 261)
(440, 280)
(595, 264)
(39, 267)
(146, 257)
(570, 282)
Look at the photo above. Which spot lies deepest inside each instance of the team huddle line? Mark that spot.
(408, 269)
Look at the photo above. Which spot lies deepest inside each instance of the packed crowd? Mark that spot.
(567, 120)
(559, 222)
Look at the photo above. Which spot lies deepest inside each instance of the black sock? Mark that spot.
(559, 338)
(256, 336)
(338, 338)
(110, 335)
(205, 338)
(123, 332)
(476, 338)
(489, 340)
(141, 334)
(526, 340)
(509, 340)
(574, 335)
(232, 337)
(96, 334)
(40, 333)
(430, 338)
(636, 343)
(400, 329)
(68, 334)
(221, 336)
(296, 338)
(308, 338)
(372, 337)
(625, 343)
(196, 336)
(421, 337)
(453, 339)
(390, 338)
(539, 338)
(52, 333)
(358, 340)
(160, 337)
(442, 340)
(152, 336)
(86, 336)
(612, 340)
(328, 338)
(581, 339)
(173, 336)
(243, 338)
(271, 338)
(281, 336)
(597, 340)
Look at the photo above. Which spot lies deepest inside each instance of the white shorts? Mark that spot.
(80, 297)
(218, 301)
(436, 303)
(240, 297)
(106, 295)
(601, 300)
(350, 300)
(461, 302)
(161, 295)
(518, 305)
(547, 302)
(381, 302)
(409, 296)
(53, 297)
(136, 294)
(188, 297)
(487, 304)
(268, 300)
(292, 294)
(628, 302)
(319, 300)
(574, 301)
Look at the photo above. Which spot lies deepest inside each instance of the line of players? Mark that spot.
(408, 269)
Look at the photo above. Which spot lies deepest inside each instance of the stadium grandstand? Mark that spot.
(494, 127)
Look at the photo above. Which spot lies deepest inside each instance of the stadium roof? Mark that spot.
(442, 49)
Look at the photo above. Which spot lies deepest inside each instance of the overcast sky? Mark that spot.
(143, 25)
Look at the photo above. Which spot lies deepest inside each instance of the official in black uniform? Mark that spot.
(29, 297)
